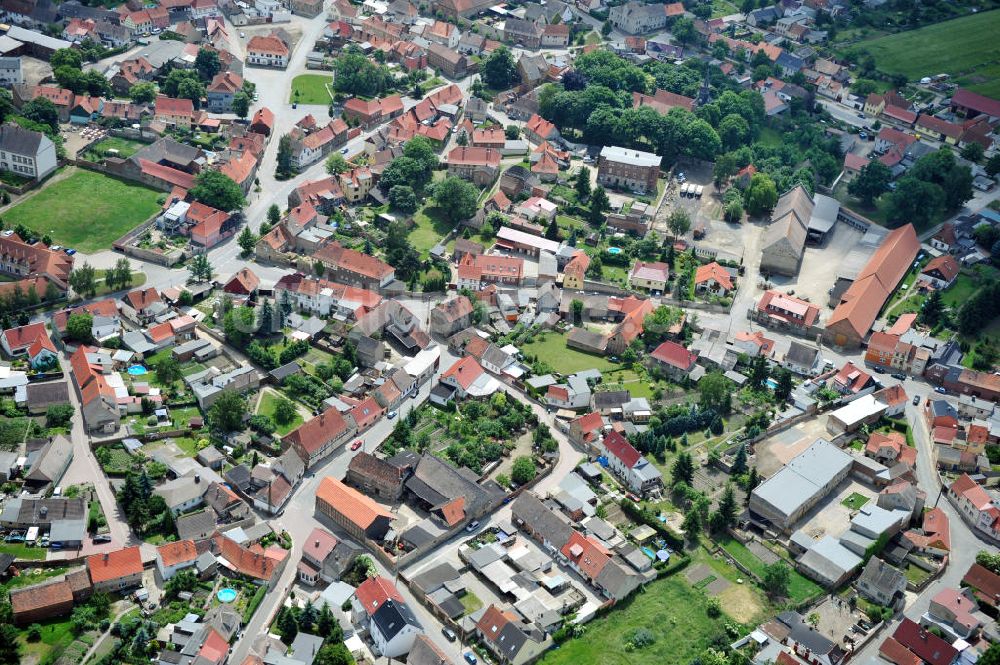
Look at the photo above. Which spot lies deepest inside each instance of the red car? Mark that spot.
(357, 444)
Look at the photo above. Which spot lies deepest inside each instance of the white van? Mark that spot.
(697, 192)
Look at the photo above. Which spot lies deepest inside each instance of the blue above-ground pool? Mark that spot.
(226, 595)
(137, 370)
(648, 552)
(614, 250)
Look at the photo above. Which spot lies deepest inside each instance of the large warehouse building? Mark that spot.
(785, 497)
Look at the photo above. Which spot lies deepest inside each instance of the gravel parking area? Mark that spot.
(820, 264)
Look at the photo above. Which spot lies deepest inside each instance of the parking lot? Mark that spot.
(705, 212)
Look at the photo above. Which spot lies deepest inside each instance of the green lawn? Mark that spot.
(471, 602)
(57, 634)
(32, 577)
(669, 608)
(87, 210)
(268, 402)
(854, 501)
(770, 137)
(22, 551)
(429, 227)
(311, 88)
(800, 587)
(965, 47)
(125, 147)
(551, 348)
(961, 289)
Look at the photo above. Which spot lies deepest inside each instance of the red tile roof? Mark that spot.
(318, 431)
(375, 591)
(619, 446)
(589, 556)
(714, 271)
(897, 654)
(173, 106)
(215, 648)
(267, 44)
(180, 551)
(114, 565)
(319, 544)
(244, 561)
(945, 264)
(465, 371)
(985, 583)
(361, 510)
(24, 336)
(675, 355)
(976, 102)
(929, 647)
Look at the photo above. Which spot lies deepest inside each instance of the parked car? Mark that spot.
(70, 251)
(357, 444)
(391, 415)
(899, 376)
(449, 634)
(102, 538)
(941, 390)
(916, 400)
(470, 658)
(473, 525)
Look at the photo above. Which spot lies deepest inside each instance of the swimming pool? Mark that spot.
(650, 553)
(137, 370)
(226, 595)
(614, 250)
(772, 384)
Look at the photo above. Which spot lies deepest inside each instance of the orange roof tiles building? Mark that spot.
(860, 305)
(356, 513)
(114, 571)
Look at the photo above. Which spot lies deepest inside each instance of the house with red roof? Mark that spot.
(115, 571)
(984, 585)
(174, 112)
(629, 465)
(141, 306)
(255, 564)
(508, 637)
(263, 121)
(938, 129)
(851, 380)
(889, 448)
(674, 360)
(940, 272)
(267, 51)
(32, 341)
(538, 129)
(99, 403)
(928, 647)
(349, 266)
(174, 557)
(319, 436)
(713, 278)
(971, 104)
(359, 515)
(650, 275)
(776, 309)
(975, 506)
(753, 343)
(587, 429)
(468, 379)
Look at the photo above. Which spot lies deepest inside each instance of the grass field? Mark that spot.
(960, 290)
(799, 587)
(86, 210)
(855, 501)
(428, 230)
(670, 609)
(125, 148)
(965, 48)
(551, 348)
(22, 551)
(56, 636)
(268, 402)
(311, 88)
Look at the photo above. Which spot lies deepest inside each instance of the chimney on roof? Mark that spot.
(106, 556)
(197, 478)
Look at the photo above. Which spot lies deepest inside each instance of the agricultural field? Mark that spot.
(85, 210)
(965, 48)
